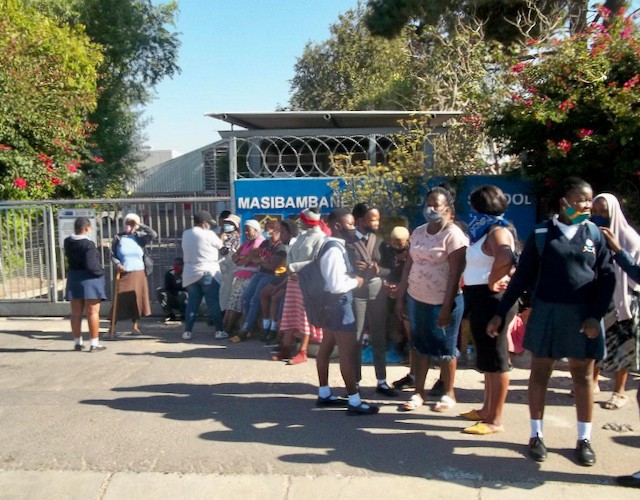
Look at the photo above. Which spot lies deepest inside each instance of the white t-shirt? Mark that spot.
(200, 252)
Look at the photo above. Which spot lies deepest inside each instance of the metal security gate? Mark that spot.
(32, 263)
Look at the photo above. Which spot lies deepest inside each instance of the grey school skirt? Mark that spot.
(553, 331)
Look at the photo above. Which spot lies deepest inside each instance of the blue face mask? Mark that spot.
(266, 235)
(228, 228)
(600, 221)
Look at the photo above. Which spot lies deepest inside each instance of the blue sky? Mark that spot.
(236, 55)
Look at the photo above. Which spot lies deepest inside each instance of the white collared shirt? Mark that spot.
(569, 231)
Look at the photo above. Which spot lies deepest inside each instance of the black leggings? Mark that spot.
(481, 304)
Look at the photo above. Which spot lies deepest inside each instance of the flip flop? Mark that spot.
(471, 415)
(481, 429)
(445, 403)
(414, 403)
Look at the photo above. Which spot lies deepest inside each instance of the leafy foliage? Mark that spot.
(48, 83)
(575, 109)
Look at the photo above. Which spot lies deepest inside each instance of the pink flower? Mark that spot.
(72, 168)
(629, 84)
(20, 183)
(56, 181)
(97, 159)
(517, 68)
(566, 105)
(4, 147)
(564, 145)
(584, 132)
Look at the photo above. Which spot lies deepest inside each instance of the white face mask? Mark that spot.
(432, 215)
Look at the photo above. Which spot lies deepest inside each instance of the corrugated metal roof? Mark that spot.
(184, 174)
(280, 120)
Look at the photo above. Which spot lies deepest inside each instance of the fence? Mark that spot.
(32, 263)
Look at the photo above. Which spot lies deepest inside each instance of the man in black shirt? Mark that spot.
(173, 296)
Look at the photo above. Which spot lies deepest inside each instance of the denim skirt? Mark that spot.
(428, 338)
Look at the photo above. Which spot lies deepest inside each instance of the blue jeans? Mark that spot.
(251, 298)
(208, 288)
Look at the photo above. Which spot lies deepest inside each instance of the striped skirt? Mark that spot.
(294, 315)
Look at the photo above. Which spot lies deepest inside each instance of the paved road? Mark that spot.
(156, 417)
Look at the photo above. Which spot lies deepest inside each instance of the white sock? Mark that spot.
(78, 340)
(274, 326)
(354, 399)
(266, 323)
(584, 431)
(636, 475)
(536, 428)
(324, 391)
(383, 383)
(94, 342)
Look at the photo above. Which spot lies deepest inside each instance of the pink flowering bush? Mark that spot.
(575, 108)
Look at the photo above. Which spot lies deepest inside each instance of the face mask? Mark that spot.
(600, 221)
(266, 235)
(228, 228)
(177, 269)
(576, 217)
(348, 234)
(398, 250)
(128, 229)
(432, 215)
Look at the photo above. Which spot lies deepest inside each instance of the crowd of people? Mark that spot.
(580, 267)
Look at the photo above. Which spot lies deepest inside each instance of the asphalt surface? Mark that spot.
(157, 417)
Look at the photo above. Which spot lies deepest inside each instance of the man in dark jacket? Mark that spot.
(173, 296)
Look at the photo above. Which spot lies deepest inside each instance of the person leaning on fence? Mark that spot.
(127, 249)
(173, 295)
(339, 326)
(201, 276)
(573, 279)
(85, 283)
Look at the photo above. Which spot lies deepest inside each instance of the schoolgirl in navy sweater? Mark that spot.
(573, 281)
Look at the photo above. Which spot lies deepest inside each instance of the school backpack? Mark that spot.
(311, 282)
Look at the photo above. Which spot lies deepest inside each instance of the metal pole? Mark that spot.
(51, 253)
(233, 172)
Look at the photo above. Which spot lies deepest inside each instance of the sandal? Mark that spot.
(472, 415)
(616, 401)
(445, 403)
(414, 403)
(482, 429)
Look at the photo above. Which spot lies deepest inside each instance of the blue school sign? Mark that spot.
(281, 198)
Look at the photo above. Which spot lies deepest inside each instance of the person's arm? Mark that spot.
(385, 261)
(114, 253)
(500, 244)
(457, 260)
(147, 234)
(621, 256)
(401, 290)
(334, 271)
(168, 281)
(92, 260)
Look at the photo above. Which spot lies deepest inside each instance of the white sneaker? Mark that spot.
(186, 336)
(221, 335)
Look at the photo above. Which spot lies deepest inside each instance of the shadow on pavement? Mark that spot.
(401, 444)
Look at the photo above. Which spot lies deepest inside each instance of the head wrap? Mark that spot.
(134, 217)
(630, 241)
(400, 233)
(309, 217)
(254, 224)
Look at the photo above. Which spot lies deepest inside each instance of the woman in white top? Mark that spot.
(490, 259)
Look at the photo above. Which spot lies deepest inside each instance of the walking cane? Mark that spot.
(114, 307)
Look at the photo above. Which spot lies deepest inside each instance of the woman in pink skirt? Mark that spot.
(294, 317)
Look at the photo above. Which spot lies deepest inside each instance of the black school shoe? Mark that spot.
(362, 409)
(78, 347)
(386, 390)
(585, 454)
(537, 449)
(331, 401)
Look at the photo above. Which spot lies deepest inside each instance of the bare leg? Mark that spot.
(77, 308)
(93, 317)
(484, 411)
(499, 383)
(582, 375)
(323, 357)
(621, 380)
(448, 374)
(541, 369)
(347, 345)
(422, 368)
(230, 320)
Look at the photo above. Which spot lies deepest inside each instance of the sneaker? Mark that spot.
(405, 382)
(537, 449)
(586, 455)
(437, 389)
(170, 319)
(95, 348)
(78, 347)
(301, 357)
(220, 334)
(186, 336)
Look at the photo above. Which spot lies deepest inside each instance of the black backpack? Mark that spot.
(311, 282)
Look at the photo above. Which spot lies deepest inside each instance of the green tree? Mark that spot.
(352, 70)
(140, 50)
(575, 109)
(48, 84)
